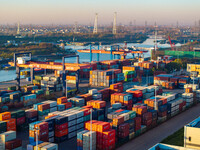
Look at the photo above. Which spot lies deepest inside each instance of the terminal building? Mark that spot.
(191, 138)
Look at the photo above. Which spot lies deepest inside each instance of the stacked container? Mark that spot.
(7, 123)
(51, 83)
(105, 137)
(31, 115)
(105, 78)
(8, 141)
(20, 117)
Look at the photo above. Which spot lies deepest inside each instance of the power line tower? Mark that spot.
(95, 24)
(145, 26)
(75, 27)
(155, 36)
(115, 23)
(177, 24)
(18, 29)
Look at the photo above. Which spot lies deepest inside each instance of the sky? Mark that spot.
(164, 12)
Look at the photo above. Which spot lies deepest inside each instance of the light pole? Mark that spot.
(155, 103)
(36, 132)
(91, 129)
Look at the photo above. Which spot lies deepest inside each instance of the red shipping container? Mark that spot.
(137, 120)
(13, 144)
(61, 133)
(120, 110)
(123, 134)
(109, 142)
(162, 114)
(44, 138)
(43, 107)
(108, 134)
(21, 120)
(123, 127)
(42, 126)
(86, 111)
(68, 105)
(31, 113)
(61, 127)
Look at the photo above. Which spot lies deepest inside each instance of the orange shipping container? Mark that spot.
(103, 127)
(10, 122)
(61, 100)
(5, 116)
(31, 133)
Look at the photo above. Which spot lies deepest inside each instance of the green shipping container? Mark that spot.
(138, 132)
(132, 114)
(18, 114)
(45, 112)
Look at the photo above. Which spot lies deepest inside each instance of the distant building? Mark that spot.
(192, 134)
(193, 67)
(12, 42)
(161, 146)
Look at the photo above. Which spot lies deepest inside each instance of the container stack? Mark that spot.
(39, 129)
(63, 104)
(76, 101)
(108, 64)
(189, 88)
(84, 141)
(198, 95)
(137, 95)
(42, 146)
(125, 99)
(7, 123)
(20, 117)
(51, 83)
(188, 97)
(105, 78)
(159, 79)
(116, 88)
(183, 81)
(123, 123)
(43, 110)
(105, 94)
(105, 137)
(31, 115)
(8, 141)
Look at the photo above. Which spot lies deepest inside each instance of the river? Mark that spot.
(6, 75)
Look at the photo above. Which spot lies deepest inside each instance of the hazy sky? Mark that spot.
(83, 11)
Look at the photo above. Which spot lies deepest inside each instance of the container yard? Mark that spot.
(114, 108)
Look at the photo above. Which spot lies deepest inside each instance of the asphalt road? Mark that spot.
(157, 134)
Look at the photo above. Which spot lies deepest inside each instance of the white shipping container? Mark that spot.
(51, 146)
(51, 134)
(93, 91)
(2, 146)
(7, 136)
(72, 134)
(52, 103)
(71, 129)
(79, 120)
(71, 123)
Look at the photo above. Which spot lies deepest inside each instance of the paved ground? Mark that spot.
(162, 131)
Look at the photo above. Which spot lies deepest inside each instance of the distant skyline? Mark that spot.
(164, 12)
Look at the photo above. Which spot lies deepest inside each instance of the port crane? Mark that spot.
(171, 44)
